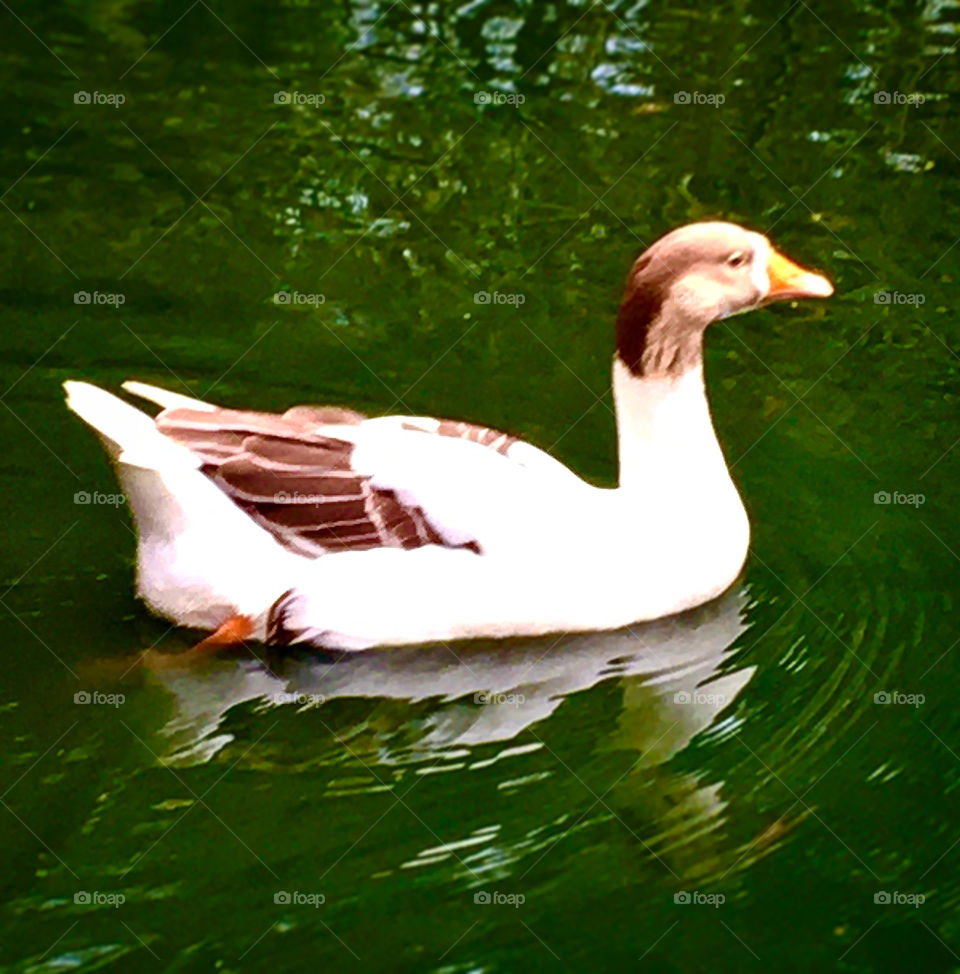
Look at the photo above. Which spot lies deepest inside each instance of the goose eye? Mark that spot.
(736, 260)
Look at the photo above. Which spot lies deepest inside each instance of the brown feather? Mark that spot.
(300, 484)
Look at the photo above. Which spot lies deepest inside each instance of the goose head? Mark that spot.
(695, 275)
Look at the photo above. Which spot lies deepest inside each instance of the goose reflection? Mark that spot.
(487, 692)
(437, 704)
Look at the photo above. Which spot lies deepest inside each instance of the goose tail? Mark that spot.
(129, 435)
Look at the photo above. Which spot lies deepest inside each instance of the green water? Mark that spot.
(737, 755)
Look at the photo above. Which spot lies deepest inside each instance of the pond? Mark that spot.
(767, 783)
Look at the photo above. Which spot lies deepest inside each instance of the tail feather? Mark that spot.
(200, 557)
(165, 398)
(131, 437)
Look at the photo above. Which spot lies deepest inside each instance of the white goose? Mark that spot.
(322, 526)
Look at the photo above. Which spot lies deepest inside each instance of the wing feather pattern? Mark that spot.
(296, 478)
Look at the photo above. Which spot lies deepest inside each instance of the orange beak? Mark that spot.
(788, 280)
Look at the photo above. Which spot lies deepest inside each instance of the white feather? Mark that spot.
(165, 398)
(200, 558)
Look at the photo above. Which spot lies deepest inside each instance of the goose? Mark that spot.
(323, 527)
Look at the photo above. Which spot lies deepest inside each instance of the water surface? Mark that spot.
(720, 791)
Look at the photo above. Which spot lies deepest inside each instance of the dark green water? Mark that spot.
(737, 755)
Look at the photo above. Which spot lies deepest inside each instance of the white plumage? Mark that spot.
(323, 526)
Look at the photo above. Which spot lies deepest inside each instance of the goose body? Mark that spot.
(326, 527)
